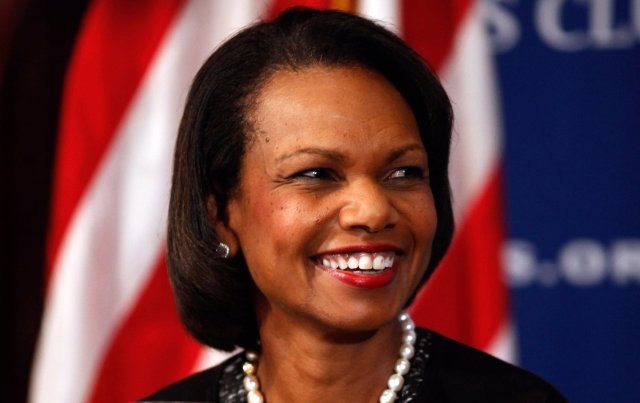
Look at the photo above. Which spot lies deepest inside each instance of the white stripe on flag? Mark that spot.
(469, 78)
(503, 345)
(384, 12)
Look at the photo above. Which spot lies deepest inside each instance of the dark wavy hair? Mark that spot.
(215, 296)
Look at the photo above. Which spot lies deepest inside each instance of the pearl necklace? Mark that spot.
(394, 384)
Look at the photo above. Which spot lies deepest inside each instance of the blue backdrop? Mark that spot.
(569, 75)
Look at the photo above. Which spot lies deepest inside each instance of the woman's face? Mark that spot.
(334, 213)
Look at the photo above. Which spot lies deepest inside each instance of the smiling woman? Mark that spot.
(310, 201)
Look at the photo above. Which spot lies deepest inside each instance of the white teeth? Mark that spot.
(378, 263)
(359, 261)
(365, 262)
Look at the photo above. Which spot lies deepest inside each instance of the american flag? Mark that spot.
(110, 330)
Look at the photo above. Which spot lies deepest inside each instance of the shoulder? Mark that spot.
(458, 373)
(199, 387)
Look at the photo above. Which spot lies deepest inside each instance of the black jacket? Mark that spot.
(454, 373)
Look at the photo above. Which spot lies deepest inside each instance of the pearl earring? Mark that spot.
(223, 250)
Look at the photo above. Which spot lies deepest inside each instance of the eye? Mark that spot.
(314, 174)
(407, 173)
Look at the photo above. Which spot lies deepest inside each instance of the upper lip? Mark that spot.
(364, 248)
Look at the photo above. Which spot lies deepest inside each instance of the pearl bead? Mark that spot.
(404, 316)
(408, 326)
(402, 366)
(388, 396)
(251, 383)
(252, 356)
(407, 351)
(396, 382)
(255, 396)
(249, 368)
(409, 337)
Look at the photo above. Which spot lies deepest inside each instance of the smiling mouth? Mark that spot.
(358, 263)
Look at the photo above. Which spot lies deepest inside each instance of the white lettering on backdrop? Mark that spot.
(596, 25)
(579, 262)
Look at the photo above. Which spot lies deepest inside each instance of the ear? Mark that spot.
(224, 232)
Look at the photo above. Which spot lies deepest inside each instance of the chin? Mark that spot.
(362, 319)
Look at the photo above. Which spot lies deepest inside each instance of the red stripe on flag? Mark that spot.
(430, 27)
(467, 299)
(115, 46)
(150, 350)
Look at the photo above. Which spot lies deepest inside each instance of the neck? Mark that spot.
(352, 366)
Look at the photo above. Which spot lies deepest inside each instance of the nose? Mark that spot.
(367, 207)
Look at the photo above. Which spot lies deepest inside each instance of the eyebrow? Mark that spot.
(336, 156)
(332, 155)
(395, 154)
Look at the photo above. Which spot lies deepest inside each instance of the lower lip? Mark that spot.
(377, 280)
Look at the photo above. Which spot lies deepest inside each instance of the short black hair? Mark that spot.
(215, 296)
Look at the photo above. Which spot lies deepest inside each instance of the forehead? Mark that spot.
(330, 104)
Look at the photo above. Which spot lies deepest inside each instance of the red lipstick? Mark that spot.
(379, 279)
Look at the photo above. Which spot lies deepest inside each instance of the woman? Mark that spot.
(310, 201)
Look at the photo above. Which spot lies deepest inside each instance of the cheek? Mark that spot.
(276, 227)
(420, 210)
(429, 218)
(424, 221)
(278, 237)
